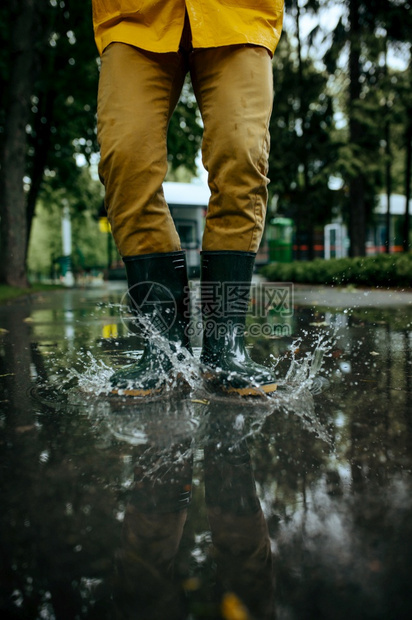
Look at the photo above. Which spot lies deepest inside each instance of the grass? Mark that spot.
(8, 293)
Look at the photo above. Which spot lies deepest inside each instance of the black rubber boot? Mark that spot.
(225, 287)
(159, 295)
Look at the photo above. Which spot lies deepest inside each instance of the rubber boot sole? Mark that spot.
(178, 384)
(250, 390)
(268, 388)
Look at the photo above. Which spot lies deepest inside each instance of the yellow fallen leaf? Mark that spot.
(233, 608)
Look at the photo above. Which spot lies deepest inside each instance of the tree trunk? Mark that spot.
(408, 173)
(357, 221)
(302, 113)
(13, 223)
(357, 218)
(388, 178)
(388, 159)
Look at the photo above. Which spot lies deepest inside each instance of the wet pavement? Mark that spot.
(200, 505)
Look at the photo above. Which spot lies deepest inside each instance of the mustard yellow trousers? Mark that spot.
(138, 92)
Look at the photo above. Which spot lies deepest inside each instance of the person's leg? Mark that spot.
(145, 584)
(240, 536)
(234, 89)
(138, 92)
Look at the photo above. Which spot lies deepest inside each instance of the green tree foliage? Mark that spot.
(62, 127)
(57, 114)
(185, 133)
(48, 86)
(304, 144)
(90, 249)
(363, 35)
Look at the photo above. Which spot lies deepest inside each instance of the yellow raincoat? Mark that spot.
(157, 25)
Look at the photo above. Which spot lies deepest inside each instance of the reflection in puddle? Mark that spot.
(206, 506)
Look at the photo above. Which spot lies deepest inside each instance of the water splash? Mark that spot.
(93, 377)
(180, 365)
(303, 373)
(162, 419)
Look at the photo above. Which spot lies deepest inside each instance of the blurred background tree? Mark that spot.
(48, 85)
(342, 113)
(361, 41)
(304, 138)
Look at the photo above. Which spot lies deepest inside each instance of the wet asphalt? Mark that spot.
(197, 504)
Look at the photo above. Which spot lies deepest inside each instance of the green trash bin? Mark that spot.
(280, 239)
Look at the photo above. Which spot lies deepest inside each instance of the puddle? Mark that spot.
(205, 506)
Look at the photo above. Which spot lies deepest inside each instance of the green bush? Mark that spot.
(380, 270)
